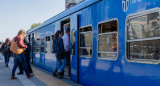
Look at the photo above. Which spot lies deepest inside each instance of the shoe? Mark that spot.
(54, 74)
(59, 74)
(62, 74)
(20, 73)
(6, 65)
(30, 75)
(13, 77)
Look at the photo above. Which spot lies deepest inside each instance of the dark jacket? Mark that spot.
(60, 48)
(5, 49)
(20, 42)
(56, 43)
(27, 51)
(60, 44)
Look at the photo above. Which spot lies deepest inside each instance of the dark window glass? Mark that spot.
(42, 45)
(34, 45)
(38, 45)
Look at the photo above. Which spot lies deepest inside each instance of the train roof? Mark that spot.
(65, 13)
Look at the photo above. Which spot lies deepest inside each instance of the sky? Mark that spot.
(21, 14)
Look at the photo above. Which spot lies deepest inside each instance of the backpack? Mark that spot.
(5, 48)
(60, 49)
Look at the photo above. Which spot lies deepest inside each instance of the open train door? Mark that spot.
(74, 48)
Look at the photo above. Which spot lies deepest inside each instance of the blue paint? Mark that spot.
(94, 71)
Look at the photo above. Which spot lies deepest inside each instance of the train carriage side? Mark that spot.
(113, 43)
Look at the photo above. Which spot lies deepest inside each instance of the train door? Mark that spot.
(74, 49)
(65, 25)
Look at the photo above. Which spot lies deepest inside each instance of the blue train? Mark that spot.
(112, 42)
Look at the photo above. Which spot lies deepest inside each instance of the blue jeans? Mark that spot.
(6, 57)
(17, 60)
(61, 64)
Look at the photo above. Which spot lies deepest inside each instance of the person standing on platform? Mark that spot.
(66, 59)
(20, 58)
(27, 57)
(6, 50)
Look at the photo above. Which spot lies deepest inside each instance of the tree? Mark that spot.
(34, 25)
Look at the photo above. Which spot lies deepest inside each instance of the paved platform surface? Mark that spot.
(41, 78)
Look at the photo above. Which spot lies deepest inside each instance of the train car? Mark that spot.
(112, 42)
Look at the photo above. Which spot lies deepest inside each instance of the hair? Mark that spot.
(57, 34)
(7, 41)
(67, 30)
(21, 31)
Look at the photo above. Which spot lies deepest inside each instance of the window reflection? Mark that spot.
(48, 44)
(107, 40)
(145, 49)
(143, 37)
(86, 41)
(144, 27)
(73, 42)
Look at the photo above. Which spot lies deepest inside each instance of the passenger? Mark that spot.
(20, 58)
(6, 50)
(57, 38)
(66, 42)
(27, 57)
(67, 53)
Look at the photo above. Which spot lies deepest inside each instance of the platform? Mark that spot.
(41, 78)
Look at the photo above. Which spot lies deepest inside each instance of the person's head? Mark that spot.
(8, 41)
(22, 33)
(26, 40)
(58, 34)
(68, 31)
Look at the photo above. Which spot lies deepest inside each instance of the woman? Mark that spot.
(57, 39)
(6, 50)
(20, 58)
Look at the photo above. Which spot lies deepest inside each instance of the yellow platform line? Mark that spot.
(48, 79)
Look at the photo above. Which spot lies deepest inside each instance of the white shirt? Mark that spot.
(65, 38)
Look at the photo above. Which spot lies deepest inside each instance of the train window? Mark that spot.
(143, 37)
(108, 39)
(38, 45)
(48, 44)
(42, 45)
(73, 42)
(86, 41)
(52, 37)
(34, 45)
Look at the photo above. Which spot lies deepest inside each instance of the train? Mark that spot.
(112, 42)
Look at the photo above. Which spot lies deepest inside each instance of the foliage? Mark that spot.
(34, 25)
